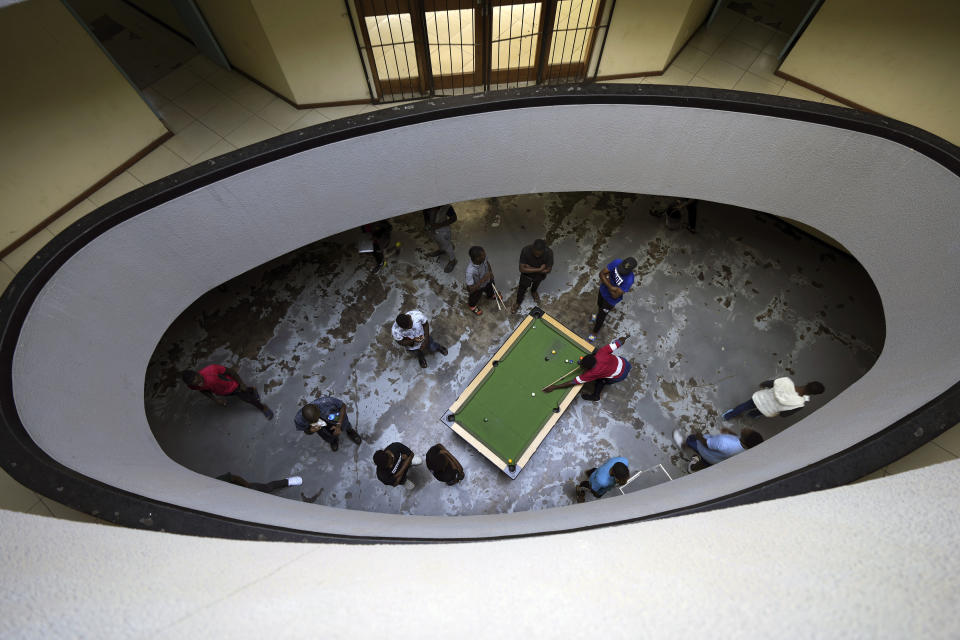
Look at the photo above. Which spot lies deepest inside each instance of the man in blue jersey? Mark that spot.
(615, 280)
(601, 479)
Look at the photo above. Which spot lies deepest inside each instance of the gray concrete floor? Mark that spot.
(746, 298)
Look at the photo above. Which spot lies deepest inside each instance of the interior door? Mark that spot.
(390, 36)
(515, 28)
(572, 28)
(453, 31)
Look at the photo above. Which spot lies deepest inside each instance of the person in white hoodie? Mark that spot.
(779, 397)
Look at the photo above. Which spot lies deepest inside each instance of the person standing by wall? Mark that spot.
(780, 397)
(437, 221)
(603, 478)
(216, 381)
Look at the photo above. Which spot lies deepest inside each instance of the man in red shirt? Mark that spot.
(602, 367)
(216, 381)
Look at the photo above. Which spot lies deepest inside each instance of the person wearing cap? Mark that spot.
(780, 397)
(327, 417)
(615, 280)
(437, 221)
(601, 367)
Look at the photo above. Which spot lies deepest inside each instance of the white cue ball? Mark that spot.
(533, 394)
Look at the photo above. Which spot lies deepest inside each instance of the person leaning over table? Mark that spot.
(216, 381)
(601, 367)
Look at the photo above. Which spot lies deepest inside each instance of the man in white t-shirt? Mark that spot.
(780, 397)
(411, 330)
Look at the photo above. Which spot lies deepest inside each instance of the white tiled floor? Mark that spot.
(212, 111)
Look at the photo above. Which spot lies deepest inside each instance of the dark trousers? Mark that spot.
(740, 408)
(599, 385)
(248, 395)
(528, 281)
(269, 486)
(474, 297)
(266, 487)
(603, 308)
(694, 444)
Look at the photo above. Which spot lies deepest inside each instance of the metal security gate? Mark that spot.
(419, 48)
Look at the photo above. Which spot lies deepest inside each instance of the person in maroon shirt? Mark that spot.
(216, 381)
(601, 367)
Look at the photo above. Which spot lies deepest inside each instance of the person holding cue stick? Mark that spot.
(601, 367)
(479, 279)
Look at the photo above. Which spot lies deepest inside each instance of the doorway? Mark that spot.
(419, 48)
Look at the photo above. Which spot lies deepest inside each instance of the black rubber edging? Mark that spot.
(32, 467)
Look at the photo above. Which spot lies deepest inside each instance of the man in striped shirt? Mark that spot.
(602, 368)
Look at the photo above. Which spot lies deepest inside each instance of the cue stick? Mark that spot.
(499, 299)
(564, 375)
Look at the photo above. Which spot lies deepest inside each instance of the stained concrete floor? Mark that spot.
(746, 298)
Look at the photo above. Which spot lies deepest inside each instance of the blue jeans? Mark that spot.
(694, 443)
(598, 385)
(740, 408)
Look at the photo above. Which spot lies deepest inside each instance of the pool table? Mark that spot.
(503, 413)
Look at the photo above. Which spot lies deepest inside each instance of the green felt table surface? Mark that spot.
(513, 416)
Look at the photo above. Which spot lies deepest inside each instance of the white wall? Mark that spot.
(873, 560)
(94, 323)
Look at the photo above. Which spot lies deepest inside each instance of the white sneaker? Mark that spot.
(678, 437)
(294, 481)
(409, 486)
(417, 460)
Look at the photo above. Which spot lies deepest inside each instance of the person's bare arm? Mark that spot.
(406, 342)
(615, 291)
(220, 401)
(404, 465)
(426, 333)
(565, 385)
(525, 268)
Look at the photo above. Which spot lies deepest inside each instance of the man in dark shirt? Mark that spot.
(393, 464)
(327, 417)
(536, 261)
(443, 465)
